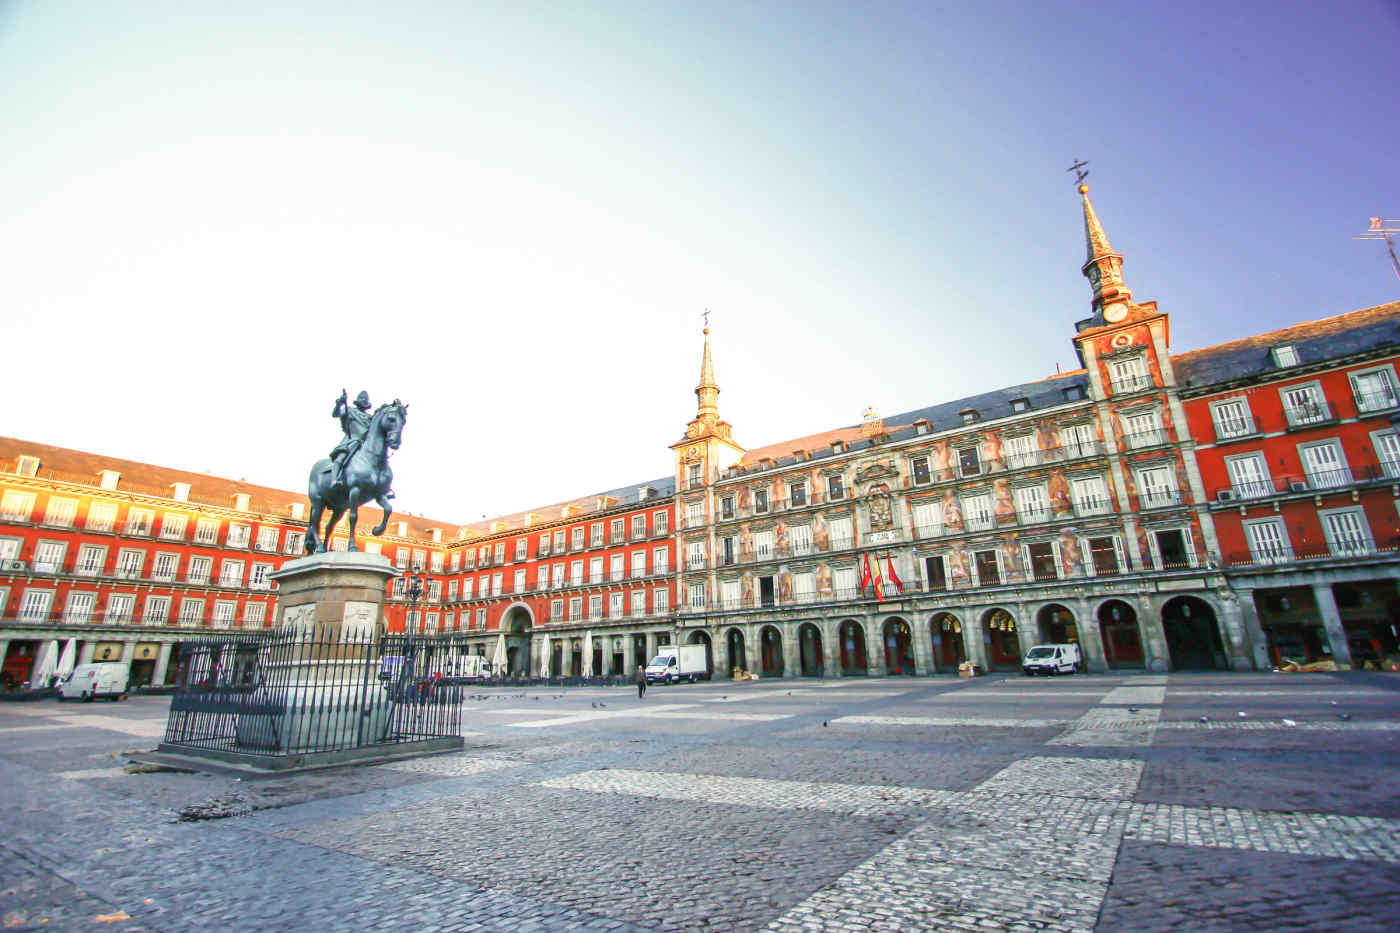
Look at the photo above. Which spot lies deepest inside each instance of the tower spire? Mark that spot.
(707, 392)
(1104, 267)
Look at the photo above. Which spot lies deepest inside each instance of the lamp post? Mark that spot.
(413, 589)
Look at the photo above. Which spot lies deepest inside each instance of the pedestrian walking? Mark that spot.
(641, 682)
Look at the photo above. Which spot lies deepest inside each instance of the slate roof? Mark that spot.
(1329, 338)
(548, 514)
(945, 416)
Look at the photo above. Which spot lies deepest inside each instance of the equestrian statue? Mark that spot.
(357, 469)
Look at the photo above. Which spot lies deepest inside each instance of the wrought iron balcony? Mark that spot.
(1378, 400)
(1151, 438)
(1135, 383)
(1309, 414)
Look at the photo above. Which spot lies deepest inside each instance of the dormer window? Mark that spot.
(180, 492)
(109, 479)
(1020, 405)
(838, 447)
(27, 466)
(921, 426)
(1074, 394)
(1285, 355)
(968, 415)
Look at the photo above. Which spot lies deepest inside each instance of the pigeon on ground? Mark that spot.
(1243, 714)
(1205, 719)
(1289, 722)
(1344, 717)
(1133, 709)
(603, 705)
(823, 723)
(594, 705)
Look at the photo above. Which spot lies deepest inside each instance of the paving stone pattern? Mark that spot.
(1002, 803)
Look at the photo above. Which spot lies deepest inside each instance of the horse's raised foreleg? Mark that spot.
(383, 500)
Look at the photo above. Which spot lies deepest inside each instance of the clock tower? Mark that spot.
(707, 446)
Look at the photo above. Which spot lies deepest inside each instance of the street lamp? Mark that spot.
(413, 590)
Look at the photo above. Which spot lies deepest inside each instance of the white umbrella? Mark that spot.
(69, 658)
(498, 662)
(544, 656)
(588, 654)
(44, 664)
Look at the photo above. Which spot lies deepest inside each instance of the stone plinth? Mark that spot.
(321, 686)
(340, 593)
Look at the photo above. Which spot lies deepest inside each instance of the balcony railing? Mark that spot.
(1156, 497)
(1306, 415)
(1386, 471)
(1134, 383)
(1093, 505)
(1227, 429)
(1378, 400)
(1153, 437)
(1349, 546)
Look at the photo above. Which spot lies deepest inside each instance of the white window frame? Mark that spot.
(61, 512)
(16, 506)
(1361, 543)
(1279, 554)
(140, 522)
(35, 604)
(101, 516)
(1380, 440)
(172, 526)
(1227, 426)
(1387, 398)
(1314, 410)
(156, 610)
(1171, 497)
(174, 567)
(206, 531)
(1337, 478)
(1250, 489)
(1192, 559)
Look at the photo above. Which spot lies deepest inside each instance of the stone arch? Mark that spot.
(770, 653)
(999, 635)
(946, 636)
(898, 640)
(850, 635)
(517, 622)
(702, 637)
(734, 641)
(1194, 639)
(1122, 639)
(809, 643)
(1055, 624)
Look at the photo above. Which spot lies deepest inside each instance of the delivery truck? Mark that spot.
(676, 663)
(90, 681)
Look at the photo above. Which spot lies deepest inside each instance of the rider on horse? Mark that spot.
(354, 422)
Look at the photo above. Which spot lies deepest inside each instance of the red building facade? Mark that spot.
(114, 560)
(1297, 444)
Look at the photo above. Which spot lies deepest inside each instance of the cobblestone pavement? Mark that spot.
(1098, 802)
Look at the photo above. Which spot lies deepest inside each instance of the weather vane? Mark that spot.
(706, 316)
(1381, 229)
(1079, 170)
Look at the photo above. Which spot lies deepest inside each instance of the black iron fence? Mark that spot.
(319, 689)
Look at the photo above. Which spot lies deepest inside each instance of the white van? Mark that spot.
(90, 681)
(1052, 659)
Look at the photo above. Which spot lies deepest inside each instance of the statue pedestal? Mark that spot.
(320, 685)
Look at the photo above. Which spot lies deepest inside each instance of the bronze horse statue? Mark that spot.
(366, 476)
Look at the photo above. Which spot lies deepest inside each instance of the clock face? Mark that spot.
(1115, 312)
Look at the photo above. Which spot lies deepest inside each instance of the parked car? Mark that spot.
(1052, 659)
(90, 681)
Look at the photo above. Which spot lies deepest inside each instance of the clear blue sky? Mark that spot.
(214, 216)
